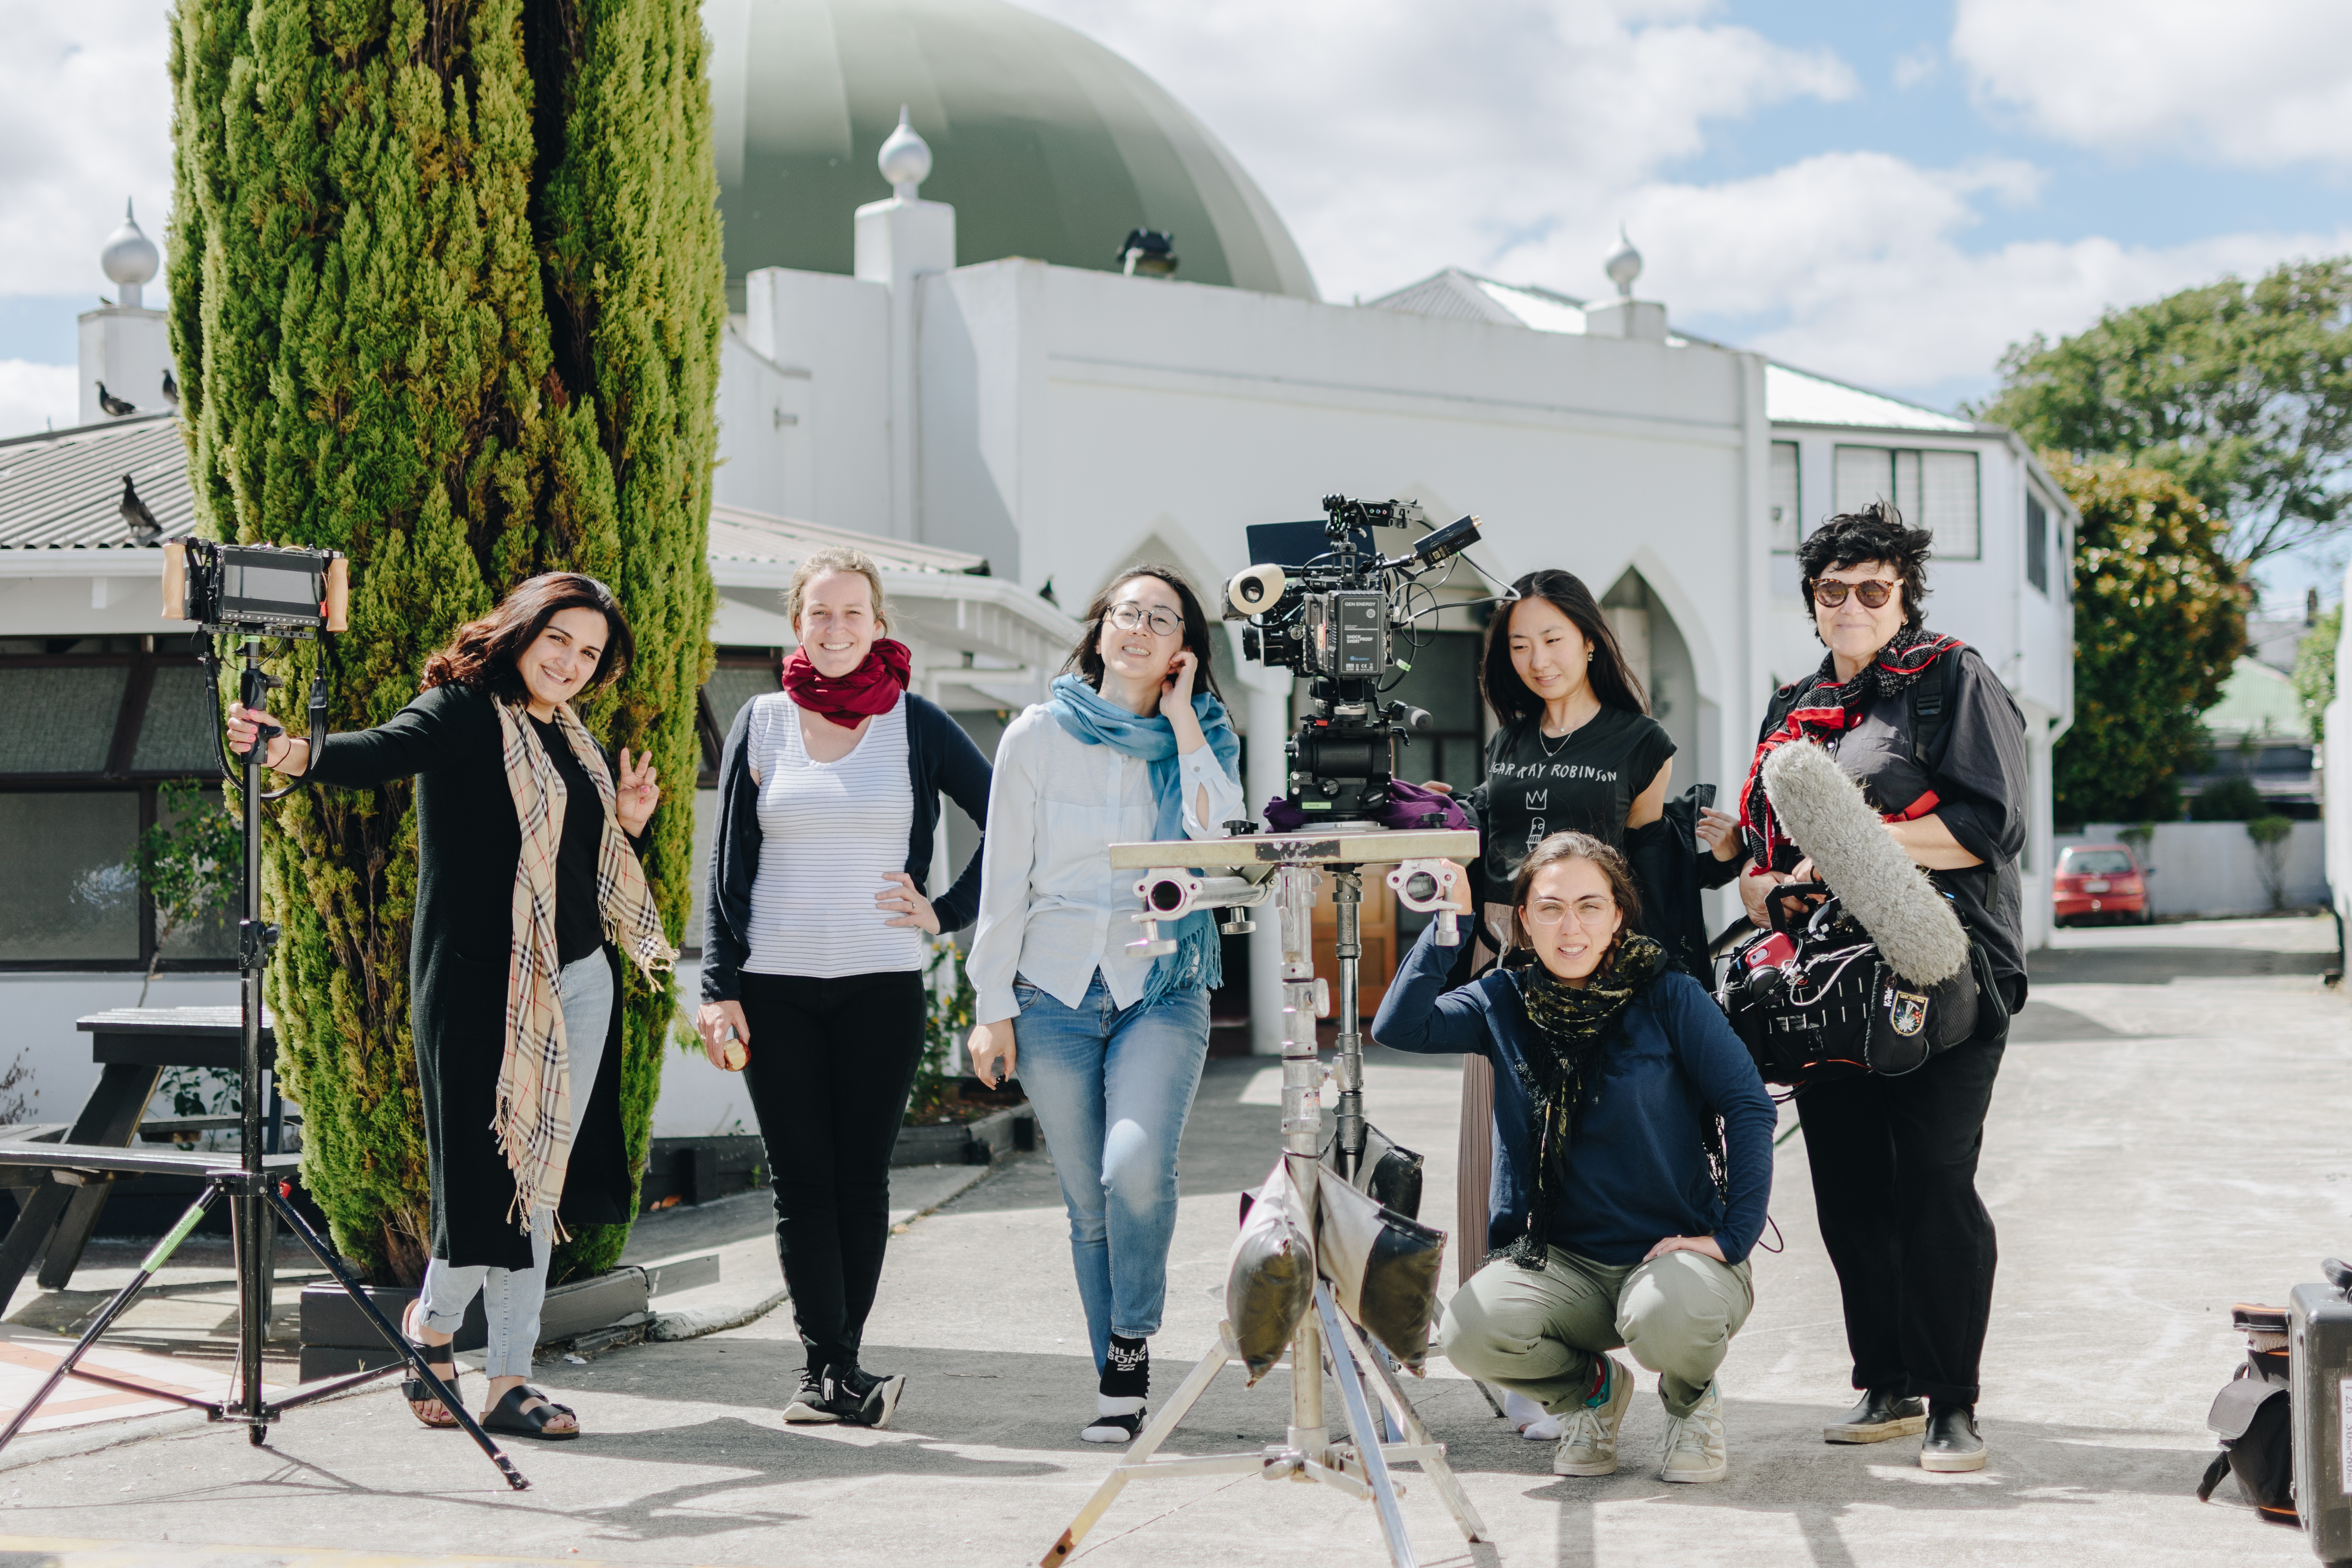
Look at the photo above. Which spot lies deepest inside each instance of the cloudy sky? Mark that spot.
(1889, 193)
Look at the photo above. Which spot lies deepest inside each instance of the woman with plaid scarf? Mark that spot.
(529, 894)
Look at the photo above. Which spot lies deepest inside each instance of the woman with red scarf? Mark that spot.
(813, 952)
(1926, 727)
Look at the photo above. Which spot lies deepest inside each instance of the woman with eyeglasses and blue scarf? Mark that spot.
(1108, 1044)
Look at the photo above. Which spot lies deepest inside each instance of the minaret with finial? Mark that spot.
(1626, 317)
(899, 242)
(125, 347)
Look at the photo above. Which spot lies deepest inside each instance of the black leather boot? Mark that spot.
(1876, 1416)
(1953, 1442)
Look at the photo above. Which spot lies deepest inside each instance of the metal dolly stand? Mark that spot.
(255, 1185)
(1256, 870)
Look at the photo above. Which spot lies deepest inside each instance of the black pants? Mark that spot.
(1895, 1164)
(831, 1063)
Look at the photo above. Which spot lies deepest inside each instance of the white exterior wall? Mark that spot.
(834, 332)
(2213, 869)
(128, 349)
(1071, 420)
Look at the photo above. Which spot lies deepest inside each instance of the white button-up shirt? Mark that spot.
(1051, 908)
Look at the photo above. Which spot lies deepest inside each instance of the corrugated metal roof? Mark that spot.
(1800, 397)
(740, 535)
(63, 490)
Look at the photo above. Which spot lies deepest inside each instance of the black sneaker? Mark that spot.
(1876, 1416)
(814, 1402)
(1953, 1443)
(1117, 1428)
(878, 1397)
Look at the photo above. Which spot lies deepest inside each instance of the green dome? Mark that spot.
(1047, 145)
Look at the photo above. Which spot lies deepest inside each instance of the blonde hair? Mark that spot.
(835, 558)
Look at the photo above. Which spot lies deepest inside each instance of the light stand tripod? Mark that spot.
(258, 1198)
(1258, 867)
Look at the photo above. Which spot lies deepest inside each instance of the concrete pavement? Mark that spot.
(2167, 1138)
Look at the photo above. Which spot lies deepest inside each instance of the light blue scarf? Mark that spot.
(1092, 718)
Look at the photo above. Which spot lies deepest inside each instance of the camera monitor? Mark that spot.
(266, 589)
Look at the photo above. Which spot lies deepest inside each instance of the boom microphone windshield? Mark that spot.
(1828, 819)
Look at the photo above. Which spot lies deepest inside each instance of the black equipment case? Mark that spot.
(2319, 1347)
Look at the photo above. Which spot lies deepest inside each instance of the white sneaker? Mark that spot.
(1534, 1423)
(1587, 1435)
(1693, 1449)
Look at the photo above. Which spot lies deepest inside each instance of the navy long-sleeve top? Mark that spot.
(1637, 1166)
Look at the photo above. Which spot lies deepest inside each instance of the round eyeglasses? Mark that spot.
(1549, 912)
(1127, 615)
(1874, 594)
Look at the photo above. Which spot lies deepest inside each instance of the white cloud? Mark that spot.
(34, 398)
(1919, 65)
(85, 124)
(1396, 137)
(2260, 83)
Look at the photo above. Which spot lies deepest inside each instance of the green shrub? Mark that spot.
(2231, 799)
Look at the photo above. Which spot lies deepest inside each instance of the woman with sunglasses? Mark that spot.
(1107, 1043)
(1928, 732)
(1626, 1219)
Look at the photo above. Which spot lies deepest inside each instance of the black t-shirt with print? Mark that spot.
(579, 924)
(1583, 782)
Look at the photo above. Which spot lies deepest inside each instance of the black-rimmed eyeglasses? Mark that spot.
(1127, 615)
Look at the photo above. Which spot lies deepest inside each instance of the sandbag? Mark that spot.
(1270, 1275)
(1388, 1170)
(1382, 1268)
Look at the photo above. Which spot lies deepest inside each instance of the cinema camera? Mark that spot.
(1337, 617)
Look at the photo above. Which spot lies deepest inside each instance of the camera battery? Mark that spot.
(2319, 1347)
(1348, 630)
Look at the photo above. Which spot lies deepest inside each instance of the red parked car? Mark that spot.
(2102, 881)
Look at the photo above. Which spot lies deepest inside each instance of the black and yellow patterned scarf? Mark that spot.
(1572, 1027)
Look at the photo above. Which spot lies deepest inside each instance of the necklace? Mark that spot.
(1551, 746)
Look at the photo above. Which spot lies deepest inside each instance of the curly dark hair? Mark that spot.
(1612, 679)
(1085, 658)
(1877, 533)
(483, 653)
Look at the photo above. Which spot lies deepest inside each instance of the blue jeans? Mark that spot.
(1112, 1088)
(511, 1298)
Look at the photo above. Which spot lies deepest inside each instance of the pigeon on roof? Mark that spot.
(171, 388)
(114, 404)
(135, 515)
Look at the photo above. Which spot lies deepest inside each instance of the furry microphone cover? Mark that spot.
(1828, 819)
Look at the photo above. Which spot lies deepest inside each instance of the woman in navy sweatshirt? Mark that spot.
(1633, 1168)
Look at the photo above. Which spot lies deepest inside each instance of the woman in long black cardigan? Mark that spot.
(554, 638)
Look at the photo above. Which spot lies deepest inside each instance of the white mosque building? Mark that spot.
(942, 342)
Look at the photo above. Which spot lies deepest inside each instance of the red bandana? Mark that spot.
(1824, 708)
(850, 700)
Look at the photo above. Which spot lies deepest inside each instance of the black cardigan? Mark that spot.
(467, 844)
(939, 756)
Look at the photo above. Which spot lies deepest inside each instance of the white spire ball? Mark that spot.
(1624, 266)
(129, 257)
(905, 160)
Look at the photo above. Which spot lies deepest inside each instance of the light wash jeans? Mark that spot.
(1112, 1087)
(511, 1298)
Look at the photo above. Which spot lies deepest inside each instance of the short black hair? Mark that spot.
(1085, 658)
(1877, 533)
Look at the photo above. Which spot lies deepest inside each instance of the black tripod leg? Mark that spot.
(441, 1391)
(113, 1310)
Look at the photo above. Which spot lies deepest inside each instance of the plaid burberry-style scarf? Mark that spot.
(534, 1120)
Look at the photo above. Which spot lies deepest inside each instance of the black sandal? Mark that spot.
(415, 1390)
(509, 1415)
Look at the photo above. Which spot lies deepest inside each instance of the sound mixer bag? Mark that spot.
(1813, 997)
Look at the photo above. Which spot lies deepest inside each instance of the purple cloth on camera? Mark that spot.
(1409, 805)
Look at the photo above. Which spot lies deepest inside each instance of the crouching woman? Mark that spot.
(1634, 1165)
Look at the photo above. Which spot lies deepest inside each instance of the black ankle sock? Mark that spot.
(1127, 1371)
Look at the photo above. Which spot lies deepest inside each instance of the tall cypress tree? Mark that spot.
(446, 293)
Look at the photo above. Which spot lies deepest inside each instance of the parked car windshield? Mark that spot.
(2098, 863)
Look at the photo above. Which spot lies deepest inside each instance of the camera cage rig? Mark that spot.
(1233, 875)
(1334, 620)
(248, 593)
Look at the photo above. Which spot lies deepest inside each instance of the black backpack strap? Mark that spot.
(1931, 704)
(2212, 1477)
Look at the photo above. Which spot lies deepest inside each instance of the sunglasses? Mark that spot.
(1874, 594)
